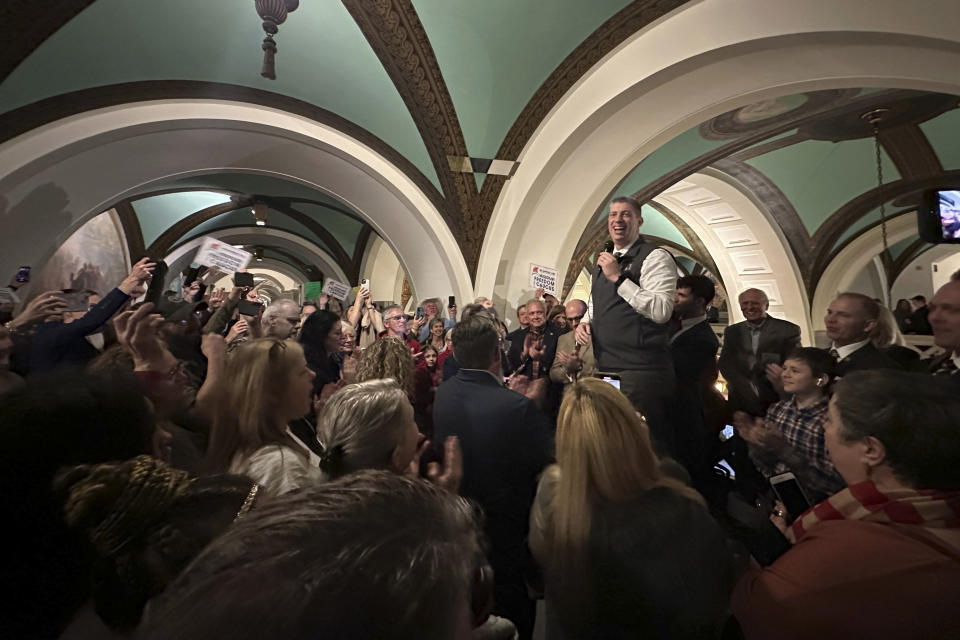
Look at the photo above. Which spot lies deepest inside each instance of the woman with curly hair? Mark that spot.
(387, 358)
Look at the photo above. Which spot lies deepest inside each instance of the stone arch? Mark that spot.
(660, 83)
(61, 174)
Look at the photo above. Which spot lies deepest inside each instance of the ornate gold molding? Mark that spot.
(394, 31)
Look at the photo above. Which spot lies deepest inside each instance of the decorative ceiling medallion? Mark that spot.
(761, 115)
(766, 109)
(903, 108)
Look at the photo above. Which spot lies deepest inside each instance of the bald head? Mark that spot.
(754, 304)
(574, 312)
(281, 319)
(945, 316)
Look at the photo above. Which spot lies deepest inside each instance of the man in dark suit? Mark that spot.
(919, 322)
(749, 348)
(945, 321)
(506, 444)
(693, 346)
(850, 319)
(532, 352)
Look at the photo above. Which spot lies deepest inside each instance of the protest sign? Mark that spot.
(222, 255)
(336, 289)
(312, 290)
(543, 278)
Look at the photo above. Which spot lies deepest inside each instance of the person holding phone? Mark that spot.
(60, 343)
(431, 312)
(879, 558)
(365, 317)
(791, 436)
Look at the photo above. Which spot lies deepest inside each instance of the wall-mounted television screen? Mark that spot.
(938, 221)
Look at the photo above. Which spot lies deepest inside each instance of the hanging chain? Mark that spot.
(873, 118)
(883, 201)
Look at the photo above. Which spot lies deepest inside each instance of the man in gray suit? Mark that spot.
(749, 348)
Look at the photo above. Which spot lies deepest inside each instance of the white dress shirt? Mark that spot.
(655, 294)
(846, 350)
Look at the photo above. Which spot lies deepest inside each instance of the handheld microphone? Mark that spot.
(608, 248)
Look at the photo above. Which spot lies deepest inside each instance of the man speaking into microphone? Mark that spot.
(634, 285)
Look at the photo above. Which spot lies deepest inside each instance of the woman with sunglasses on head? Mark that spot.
(266, 384)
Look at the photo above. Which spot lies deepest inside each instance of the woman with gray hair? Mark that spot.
(369, 425)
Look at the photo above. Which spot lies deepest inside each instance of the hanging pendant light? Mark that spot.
(273, 13)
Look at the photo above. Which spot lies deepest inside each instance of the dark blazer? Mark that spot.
(777, 338)
(515, 355)
(506, 443)
(865, 358)
(57, 344)
(694, 354)
(919, 322)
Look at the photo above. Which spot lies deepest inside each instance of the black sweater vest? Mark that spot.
(622, 338)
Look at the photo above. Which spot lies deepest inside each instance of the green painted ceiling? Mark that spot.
(869, 219)
(944, 134)
(243, 217)
(682, 149)
(655, 224)
(158, 213)
(322, 58)
(819, 177)
(494, 54)
(262, 185)
(897, 249)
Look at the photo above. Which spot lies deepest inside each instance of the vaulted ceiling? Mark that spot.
(810, 160)
(423, 81)
(427, 83)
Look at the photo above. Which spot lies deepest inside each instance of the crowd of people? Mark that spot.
(190, 464)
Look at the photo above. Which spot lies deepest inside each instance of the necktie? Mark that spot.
(834, 354)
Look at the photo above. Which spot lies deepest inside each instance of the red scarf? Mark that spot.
(938, 512)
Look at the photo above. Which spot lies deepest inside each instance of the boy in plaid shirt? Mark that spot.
(790, 438)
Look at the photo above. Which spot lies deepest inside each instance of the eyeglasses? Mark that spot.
(574, 318)
(396, 318)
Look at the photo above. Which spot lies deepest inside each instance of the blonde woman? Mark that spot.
(387, 358)
(349, 352)
(266, 385)
(887, 337)
(626, 550)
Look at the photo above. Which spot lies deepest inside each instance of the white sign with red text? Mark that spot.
(543, 278)
(222, 255)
